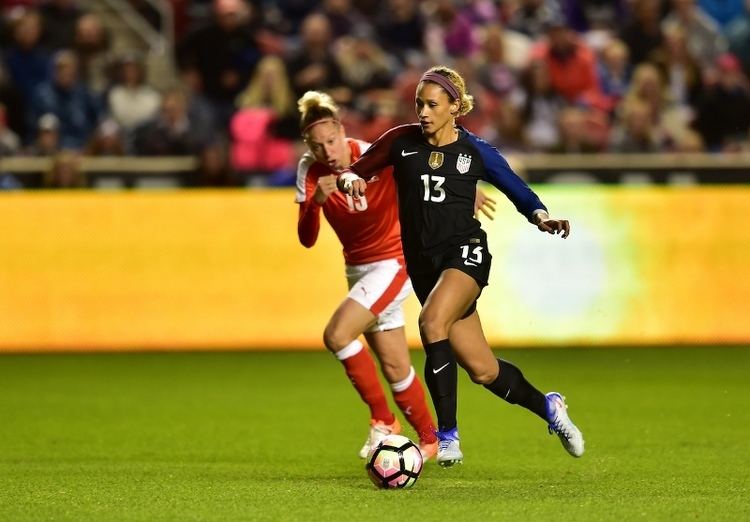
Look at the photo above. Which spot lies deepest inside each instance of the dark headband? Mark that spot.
(443, 82)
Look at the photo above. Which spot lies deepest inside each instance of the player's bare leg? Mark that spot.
(340, 336)
(393, 352)
(506, 381)
(453, 294)
(472, 350)
(346, 324)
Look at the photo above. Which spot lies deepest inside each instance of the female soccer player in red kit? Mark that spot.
(369, 231)
(436, 166)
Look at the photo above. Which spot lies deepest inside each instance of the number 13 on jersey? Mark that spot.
(433, 188)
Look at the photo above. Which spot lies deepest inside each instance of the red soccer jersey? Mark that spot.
(368, 228)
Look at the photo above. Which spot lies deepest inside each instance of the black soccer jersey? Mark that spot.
(437, 185)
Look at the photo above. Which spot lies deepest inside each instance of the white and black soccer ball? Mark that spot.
(394, 463)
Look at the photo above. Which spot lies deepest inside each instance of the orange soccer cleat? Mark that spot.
(378, 431)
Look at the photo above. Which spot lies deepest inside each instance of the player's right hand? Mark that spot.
(326, 186)
(355, 187)
(359, 186)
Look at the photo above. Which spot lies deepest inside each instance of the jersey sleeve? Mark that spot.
(303, 167)
(378, 155)
(308, 221)
(498, 173)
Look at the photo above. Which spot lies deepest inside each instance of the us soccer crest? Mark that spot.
(463, 163)
(436, 160)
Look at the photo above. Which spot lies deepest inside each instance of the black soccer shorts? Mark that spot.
(470, 256)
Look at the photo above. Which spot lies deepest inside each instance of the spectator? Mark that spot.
(269, 89)
(13, 101)
(587, 15)
(343, 18)
(681, 73)
(91, 42)
(60, 18)
(375, 112)
(689, 141)
(571, 63)
(572, 132)
(75, 106)
(531, 17)
(9, 142)
(107, 140)
(131, 101)
(47, 139)
(738, 35)
(312, 67)
(614, 71)
(218, 59)
(404, 85)
(286, 16)
(642, 30)
(667, 117)
(214, 169)
(722, 11)
(704, 40)
(481, 12)
(400, 28)
(449, 33)
(264, 128)
(635, 132)
(723, 111)
(494, 73)
(540, 106)
(509, 134)
(65, 172)
(26, 60)
(486, 105)
(171, 132)
(364, 65)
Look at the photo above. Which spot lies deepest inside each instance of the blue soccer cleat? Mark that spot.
(449, 451)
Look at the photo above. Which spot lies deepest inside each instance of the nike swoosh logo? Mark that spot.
(440, 369)
(404, 153)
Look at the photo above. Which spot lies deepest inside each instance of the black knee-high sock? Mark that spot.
(441, 376)
(511, 386)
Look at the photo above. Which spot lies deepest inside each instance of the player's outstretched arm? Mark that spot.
(551, 226)
(351, 184)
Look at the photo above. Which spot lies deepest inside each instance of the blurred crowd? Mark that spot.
(563, 76)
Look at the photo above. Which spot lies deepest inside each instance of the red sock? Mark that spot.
(360, 368)
(409, 395)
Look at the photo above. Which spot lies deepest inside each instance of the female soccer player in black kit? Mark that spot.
(436, 167)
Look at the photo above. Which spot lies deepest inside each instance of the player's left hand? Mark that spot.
(555, 226)
(484, 204)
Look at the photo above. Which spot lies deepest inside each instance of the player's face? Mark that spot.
(434, 107)
(327, 142)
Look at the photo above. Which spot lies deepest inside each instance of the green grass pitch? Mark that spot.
(274, 436)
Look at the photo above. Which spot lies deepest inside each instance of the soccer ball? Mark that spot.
(394, 463)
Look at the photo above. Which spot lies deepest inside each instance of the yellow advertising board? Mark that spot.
(224, 270)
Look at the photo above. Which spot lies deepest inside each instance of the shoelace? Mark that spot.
(558, 427)
(444, 444)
